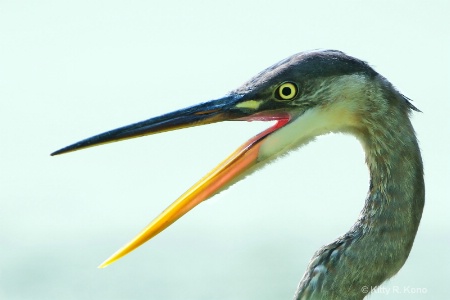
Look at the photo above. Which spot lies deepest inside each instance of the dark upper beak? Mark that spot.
(205, 113)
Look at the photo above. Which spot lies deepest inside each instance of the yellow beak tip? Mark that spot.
(102, 266)
(105, 263)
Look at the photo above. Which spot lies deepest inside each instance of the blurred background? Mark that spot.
(72, 69)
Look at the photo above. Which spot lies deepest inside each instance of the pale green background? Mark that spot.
(71, 69)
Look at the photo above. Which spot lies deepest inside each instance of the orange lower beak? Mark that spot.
(218, 178)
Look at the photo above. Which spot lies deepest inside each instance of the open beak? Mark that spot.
(227, 172)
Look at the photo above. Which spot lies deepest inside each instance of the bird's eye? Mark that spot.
(286, 91)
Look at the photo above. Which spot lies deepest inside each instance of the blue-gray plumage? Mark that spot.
(309, 94)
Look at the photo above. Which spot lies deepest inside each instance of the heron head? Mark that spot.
(307, 94)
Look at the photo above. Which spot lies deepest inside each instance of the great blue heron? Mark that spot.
(309, 94)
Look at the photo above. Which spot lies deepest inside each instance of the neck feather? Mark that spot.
(378, 244)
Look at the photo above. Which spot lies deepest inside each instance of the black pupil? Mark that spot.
(286, 91)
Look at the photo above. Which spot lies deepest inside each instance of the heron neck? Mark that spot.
(395, 201)
(378, 244)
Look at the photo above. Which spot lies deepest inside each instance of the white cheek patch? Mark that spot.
(314, 122)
